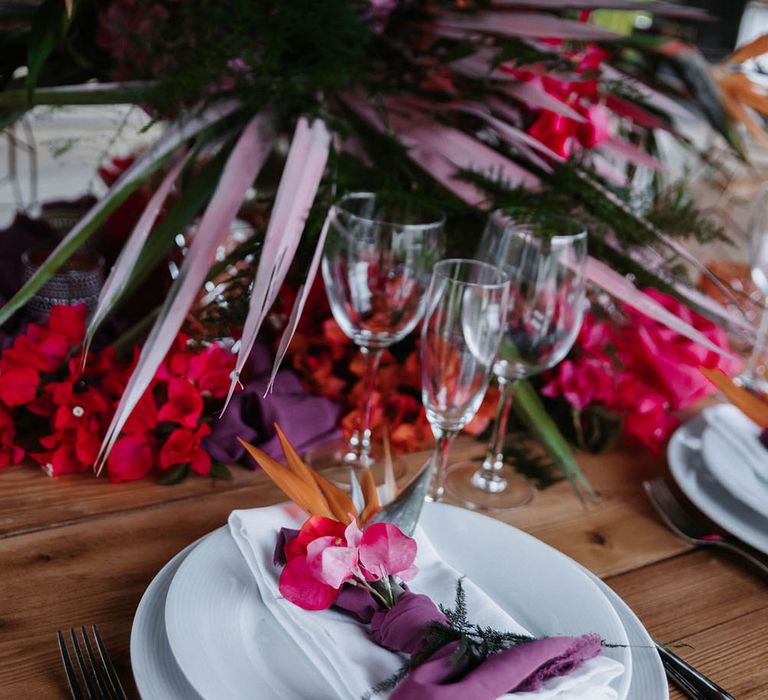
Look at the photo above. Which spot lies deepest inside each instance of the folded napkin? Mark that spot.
(741, 435)
(339, 647)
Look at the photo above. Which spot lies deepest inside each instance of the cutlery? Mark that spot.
(692, 529)
(97, 675)
(688, 679)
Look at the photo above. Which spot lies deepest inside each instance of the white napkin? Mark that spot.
(742, 436)
(339, 647)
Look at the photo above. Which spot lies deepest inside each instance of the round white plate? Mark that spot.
(158, 676)
(731, 464)
(542, 588)
(695, 480)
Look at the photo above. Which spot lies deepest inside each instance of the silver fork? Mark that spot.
(692, 529)
(97, 675)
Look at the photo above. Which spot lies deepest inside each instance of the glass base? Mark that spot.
(508, 490)
(329, 459)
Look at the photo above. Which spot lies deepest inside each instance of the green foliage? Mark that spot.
(540, 470)
(48, 28)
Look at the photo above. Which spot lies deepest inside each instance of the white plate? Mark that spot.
(158, 676)
(542, 588)
(695, 480)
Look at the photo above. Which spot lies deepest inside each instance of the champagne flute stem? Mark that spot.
(360, 444)
(494, 457)
(439, 464)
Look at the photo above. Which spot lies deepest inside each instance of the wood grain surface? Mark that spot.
(77, 550)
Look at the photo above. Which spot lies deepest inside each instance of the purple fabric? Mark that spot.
(358, 603)
(764, 438)
(521, 668)
(401, 628)
(307, 420)
(286, 535)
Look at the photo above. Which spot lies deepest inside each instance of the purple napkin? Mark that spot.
(307, 420)
(521, 668)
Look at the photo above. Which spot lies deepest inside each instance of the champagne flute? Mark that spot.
(463, 325)
(378, 259)
(545, 261)
(753, 375)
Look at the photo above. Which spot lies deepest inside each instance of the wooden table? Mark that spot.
(77, 550)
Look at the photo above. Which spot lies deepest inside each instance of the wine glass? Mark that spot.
(463, 325)
(753, 375)
(378, 260)
(545, 261)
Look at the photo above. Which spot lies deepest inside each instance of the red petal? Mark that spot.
(301, 588)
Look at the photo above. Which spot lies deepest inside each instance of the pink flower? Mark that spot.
(326, 554)
(583, 382)
(386, 551)
(670, 361)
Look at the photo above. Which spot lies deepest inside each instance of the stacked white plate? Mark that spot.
(719, 463)
(201, 630)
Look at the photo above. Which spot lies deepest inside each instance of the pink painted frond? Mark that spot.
(299, 183)
(622, 289)
(245, 161)
(298, 306)
(639, 115)
(631, 153)
(123, 268)
(533, 94)
(524, 25)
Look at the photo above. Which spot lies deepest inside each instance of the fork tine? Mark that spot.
(74, 686)
(98, 670)
(667, 506)
(114, 679)
(85, 670)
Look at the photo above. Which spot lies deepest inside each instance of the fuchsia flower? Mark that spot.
(326, 554)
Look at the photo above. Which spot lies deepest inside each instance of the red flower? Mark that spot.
(10, 452)
(132, 457)
(211, 370)
(184, 405)
(183, 447)
(18, 385)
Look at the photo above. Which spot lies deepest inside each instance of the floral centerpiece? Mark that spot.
(463, 105)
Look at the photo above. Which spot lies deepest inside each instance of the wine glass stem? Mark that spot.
(360, 443)
(440, 462)
(494, 458)
(753, 374)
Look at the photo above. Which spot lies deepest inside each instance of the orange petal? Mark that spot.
(340, 503)
(750, 405)
(305, 496)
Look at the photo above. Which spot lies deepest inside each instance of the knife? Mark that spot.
(688, 679)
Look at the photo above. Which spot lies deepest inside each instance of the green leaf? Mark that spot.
(48, 28)
(220, 471)
(90, 94)
(531, 411)
(174, 476)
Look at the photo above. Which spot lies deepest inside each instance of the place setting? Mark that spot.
(252, 607)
